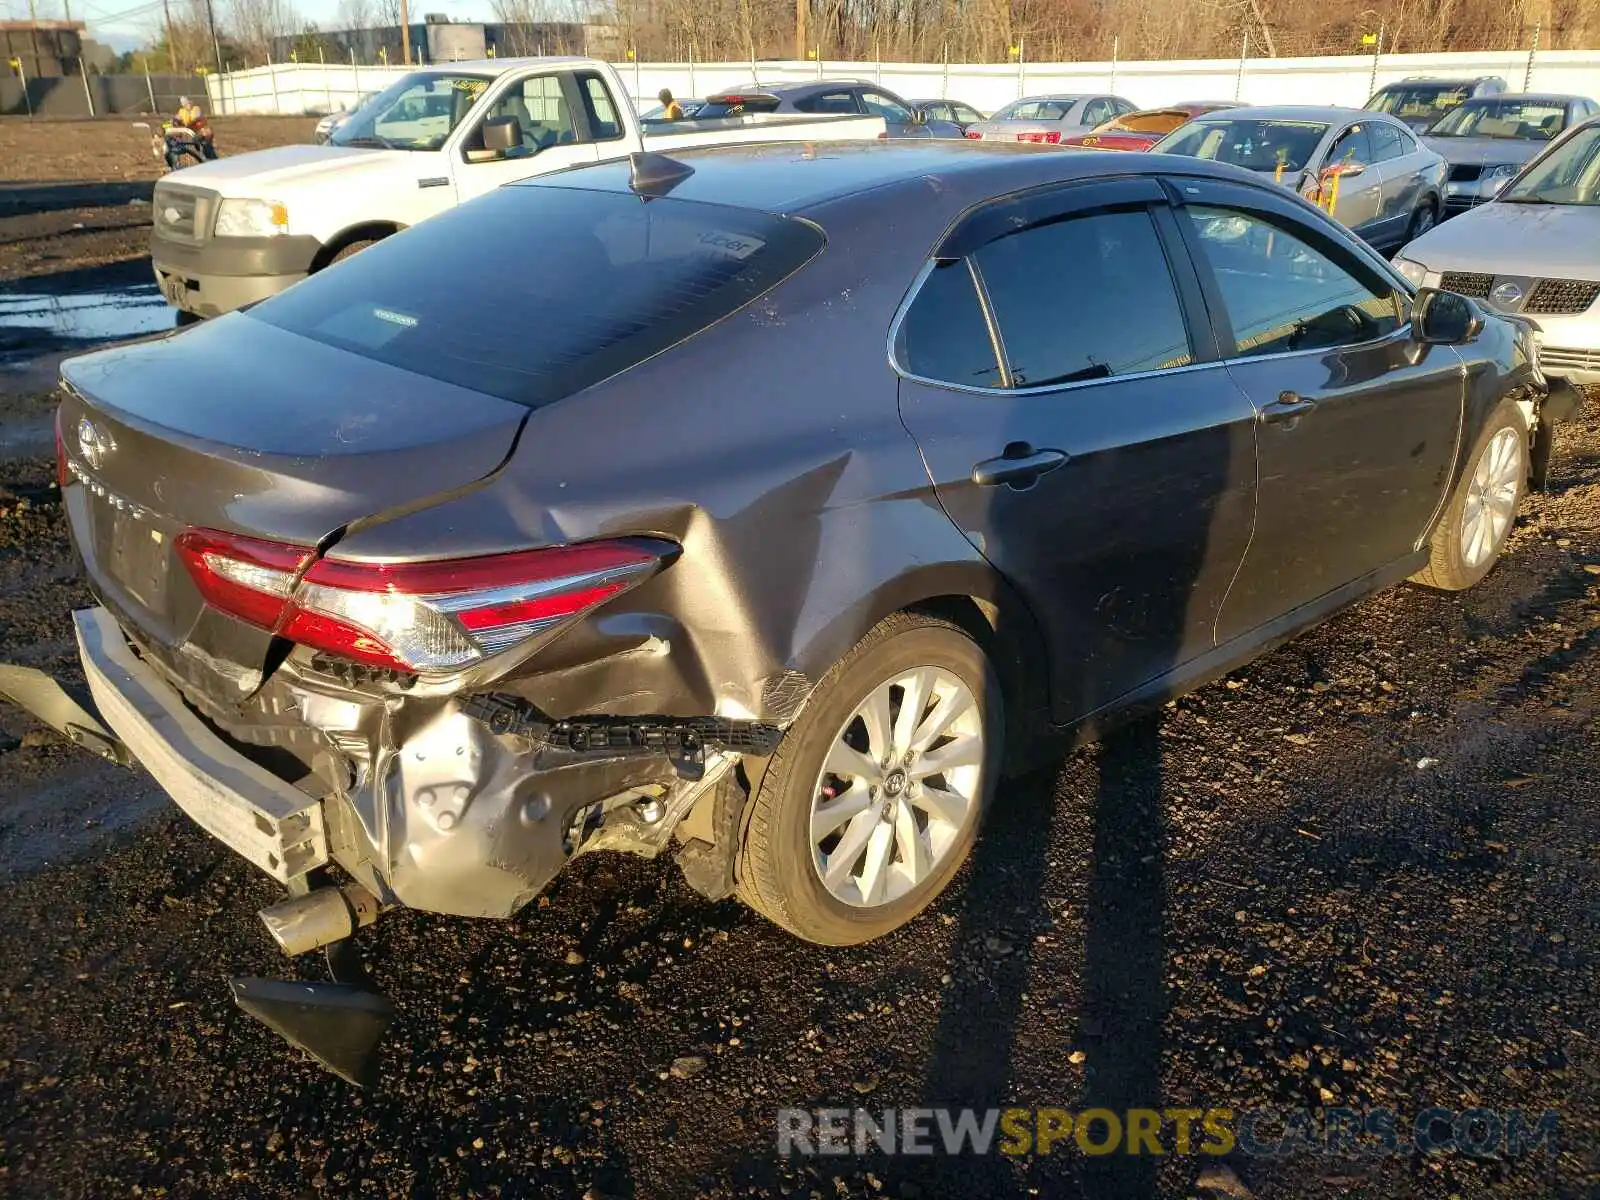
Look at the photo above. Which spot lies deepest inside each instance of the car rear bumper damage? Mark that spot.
(464, 806)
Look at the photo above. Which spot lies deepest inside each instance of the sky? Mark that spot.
(128, 24)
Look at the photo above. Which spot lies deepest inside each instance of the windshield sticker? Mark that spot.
(394, 318)
(729, 245)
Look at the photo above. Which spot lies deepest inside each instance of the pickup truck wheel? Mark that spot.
(871, 803)
(352, 248)
(1479, 516)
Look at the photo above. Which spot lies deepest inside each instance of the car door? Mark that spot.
(1356, 198)
(1359, 424)
(552, 112)
(1064, 389)
(897, 115)
(1401, 162)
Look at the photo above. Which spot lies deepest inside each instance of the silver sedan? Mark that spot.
(1048, 119)
(1368, 170)
(1534, 251)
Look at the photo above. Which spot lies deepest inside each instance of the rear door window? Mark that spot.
(1084, 298)
(829, 102)
(944, 336)
(1386, 142)
(531, 293)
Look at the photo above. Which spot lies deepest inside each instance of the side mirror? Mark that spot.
(1444, 318)
(501, 134)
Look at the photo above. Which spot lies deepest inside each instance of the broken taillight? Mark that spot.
(1047, 137)
(425, 616)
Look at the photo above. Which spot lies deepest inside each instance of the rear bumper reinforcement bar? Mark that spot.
(273, 824)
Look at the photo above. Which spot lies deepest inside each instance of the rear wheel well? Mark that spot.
(371, 232)
(1013, 643)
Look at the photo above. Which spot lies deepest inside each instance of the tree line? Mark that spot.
(922, 30)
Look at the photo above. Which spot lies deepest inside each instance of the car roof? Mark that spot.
(499, 66)
(1541, 97)
(794, 177)
(1292, 112)
(1056, 96)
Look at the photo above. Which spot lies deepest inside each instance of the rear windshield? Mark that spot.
(1416, 101)
(533, 293)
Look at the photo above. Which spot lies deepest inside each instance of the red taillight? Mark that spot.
(1050, 138)
(410, 616)
(248, 577)
(63, 475)
(974, 135)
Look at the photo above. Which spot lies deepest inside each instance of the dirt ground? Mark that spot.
(76, 194)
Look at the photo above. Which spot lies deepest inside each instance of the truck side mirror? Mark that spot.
(501, 134)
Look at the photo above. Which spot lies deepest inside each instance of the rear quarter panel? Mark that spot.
(770, 448)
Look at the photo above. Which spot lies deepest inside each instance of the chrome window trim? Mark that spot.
(896, 366)
(1402, 294)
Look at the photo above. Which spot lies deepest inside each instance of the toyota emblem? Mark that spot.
(93, 444)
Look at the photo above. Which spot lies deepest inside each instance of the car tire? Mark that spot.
(1424, 219)
(908, 828)
(1470, 535)
(350, 249)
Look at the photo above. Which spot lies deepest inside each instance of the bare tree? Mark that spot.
(255, 23)
(355, 14)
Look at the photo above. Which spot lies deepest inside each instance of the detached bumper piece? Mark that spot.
(338, 1024)
(685, 741)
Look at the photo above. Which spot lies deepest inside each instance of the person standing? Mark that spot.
(674, 110)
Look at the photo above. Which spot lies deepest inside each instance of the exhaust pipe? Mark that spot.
(319, 918)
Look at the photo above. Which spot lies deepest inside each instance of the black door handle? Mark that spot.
(1287, 407)
(1019, 467)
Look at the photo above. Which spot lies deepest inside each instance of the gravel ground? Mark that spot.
(1257, 898)
(76, 194)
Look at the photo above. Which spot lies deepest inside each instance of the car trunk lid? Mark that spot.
(208, 430)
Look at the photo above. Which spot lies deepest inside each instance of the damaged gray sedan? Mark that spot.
(747, 507)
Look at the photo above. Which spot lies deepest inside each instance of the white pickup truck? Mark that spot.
(236, 230)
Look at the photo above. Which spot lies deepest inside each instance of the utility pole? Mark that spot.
(405, 35)
(172, 46)
(800, 43)
(216, 46)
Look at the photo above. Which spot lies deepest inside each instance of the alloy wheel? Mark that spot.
(898, 787)
(1491, 498)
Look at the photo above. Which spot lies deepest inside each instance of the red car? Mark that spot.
(1143, 129)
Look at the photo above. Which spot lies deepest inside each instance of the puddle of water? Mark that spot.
(102, 316)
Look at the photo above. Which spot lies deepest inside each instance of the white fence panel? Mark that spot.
(1347, 80)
